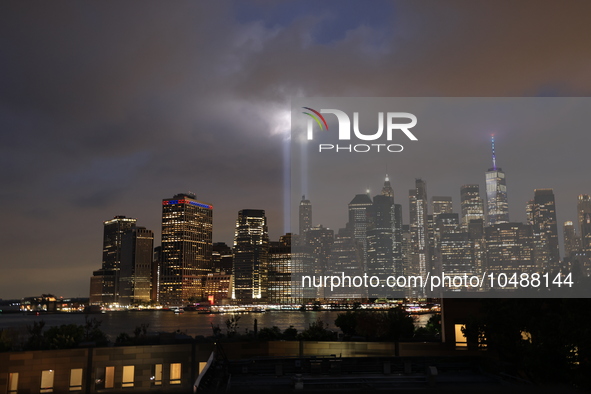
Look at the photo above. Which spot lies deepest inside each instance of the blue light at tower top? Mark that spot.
(494, 158)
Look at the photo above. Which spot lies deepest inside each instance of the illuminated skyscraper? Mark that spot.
(572, 243)
(251, 257)
(583, 211)
(541, 212)
(319, 240)
(510, 248)
(441, 204)
(419, 228)
(471, 204)
(221, 257)
(496, 193)
(380, 240)
(305, 216)
(346, 259)
(137, 253)
(104, 287)
(359, 219)
(280, 272)
(387, 189)
(186, 248)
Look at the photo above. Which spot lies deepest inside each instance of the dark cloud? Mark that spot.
(106, 108)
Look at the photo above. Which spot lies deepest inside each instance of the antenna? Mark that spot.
(494, 158)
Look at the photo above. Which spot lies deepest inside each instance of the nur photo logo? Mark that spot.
(392, 129)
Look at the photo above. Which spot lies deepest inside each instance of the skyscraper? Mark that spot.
(251, 257)
(496, 193)
(541, 212)
(305, 216)
(584, 209)
(572, 243)
(420, 257)
(441, 204)
(280, 272)
(453, 248)
(137, 253)
(510, 248)
(471, 204)
(346, 258)
(359, 219)
(380, 237)
(104, 286)
(186, 248)
(387, 188)
(319, 240)
(384, 242)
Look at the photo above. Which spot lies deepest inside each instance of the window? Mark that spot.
(461, 340)
(109, 377)
(175, 373)
(76, 379)
(128, 371)
(12, 382)
(105, 378)
(47, 381)
(157, 377)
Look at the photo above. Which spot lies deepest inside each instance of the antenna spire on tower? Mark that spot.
(494, 158)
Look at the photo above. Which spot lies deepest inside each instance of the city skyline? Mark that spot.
(106, 110)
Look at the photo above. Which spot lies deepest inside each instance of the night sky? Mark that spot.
(106, 108)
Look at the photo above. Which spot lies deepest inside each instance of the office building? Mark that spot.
(104, 286)
(218, 288)
(305, 216)
(251, 257)
(471, 204)
(441, 204)
(359, 220)
(419, 228)
(510, 248)
(137, 251)
(541, 215)
(186, 249)
(346, 258)
(280, 272)
(572, 243)
(221, 257)
(496, 193)
(584, 214)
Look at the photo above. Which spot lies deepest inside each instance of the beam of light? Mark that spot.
(286, 185)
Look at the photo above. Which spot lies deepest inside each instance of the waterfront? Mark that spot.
(190, 323)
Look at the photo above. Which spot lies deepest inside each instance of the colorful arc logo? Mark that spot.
(316, 117)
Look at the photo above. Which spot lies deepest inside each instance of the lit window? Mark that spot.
(76, 379)
(109, 377)
(47, 381)
(128, 371)
(12, 382)
(461, 340)
(104, 378)
(175, 373)
(157, 377)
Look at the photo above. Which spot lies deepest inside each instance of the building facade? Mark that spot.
(186, 249)
(251, 257)
(104, 284)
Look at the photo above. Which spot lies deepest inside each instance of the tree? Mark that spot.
(347, 322)
(317, 332)
(269, 334)
(290, 333)
(232, 325)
